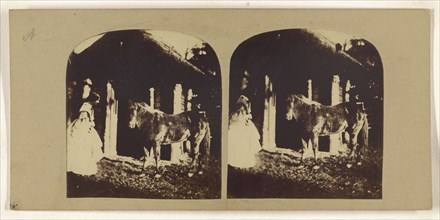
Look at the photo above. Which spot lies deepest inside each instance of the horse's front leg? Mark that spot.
(156, 149)
(146, 158)
(304, 145)
(315, 140)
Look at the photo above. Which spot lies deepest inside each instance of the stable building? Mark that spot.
(134, 65)
(269, 67)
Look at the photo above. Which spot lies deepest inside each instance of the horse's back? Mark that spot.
(178, 119)
(169, 129)
(354, 110)
(334, 119)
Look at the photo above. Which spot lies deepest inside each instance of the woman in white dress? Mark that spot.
(83, 142)
(243, 136)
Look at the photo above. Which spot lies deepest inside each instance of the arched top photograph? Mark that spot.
(143, 106)
(315, 95)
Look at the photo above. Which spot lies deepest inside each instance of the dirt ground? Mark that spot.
(125, 179)
(280, 176)
(277, 175)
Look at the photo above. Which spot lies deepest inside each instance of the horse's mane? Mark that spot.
(304, 100)
(144, 107)
(302, 105)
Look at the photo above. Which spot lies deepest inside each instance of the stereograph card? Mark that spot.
(220, 109)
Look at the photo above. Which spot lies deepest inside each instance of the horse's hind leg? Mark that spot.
(195, 155)
(354, 154)
(200, 165)
(357, 153)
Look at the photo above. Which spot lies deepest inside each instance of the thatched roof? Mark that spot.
(172, 54)
(131, 53)
(294, 51)
(332, 46)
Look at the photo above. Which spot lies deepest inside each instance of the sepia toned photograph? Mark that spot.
(305, 116)
(143, 117)
(211, 109)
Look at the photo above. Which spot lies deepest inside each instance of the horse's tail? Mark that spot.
(364, 133)
(206, 143)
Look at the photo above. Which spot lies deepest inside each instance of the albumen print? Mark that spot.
(143, 117)
(306, 116)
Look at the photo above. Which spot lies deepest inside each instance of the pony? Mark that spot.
(317, 120)
(159, 128)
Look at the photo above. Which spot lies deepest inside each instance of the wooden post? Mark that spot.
(176, 148)
(111, 123)
(309, 151)
(335, 140)
(347, 91)
(309, 90)
(152, 94)
(272, 116)
(345, 135)
(188, 100)
(269, 117)
(151, 97)
(335, 90)
(187, 144)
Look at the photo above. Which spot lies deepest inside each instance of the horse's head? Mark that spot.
(291, 106)
(133, 112)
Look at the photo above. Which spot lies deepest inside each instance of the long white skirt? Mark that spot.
(243, 144)
(83, 148)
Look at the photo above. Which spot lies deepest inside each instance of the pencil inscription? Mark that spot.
(29, 36)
